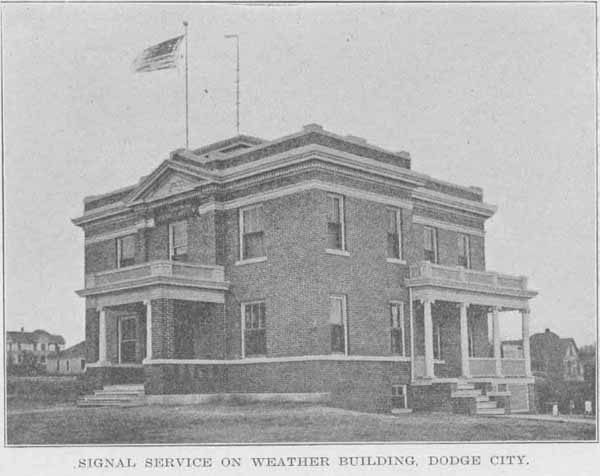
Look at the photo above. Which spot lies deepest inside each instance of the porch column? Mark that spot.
(525, 335)
(428, 331)
(496, 332)
(148, 305)
(464, 340)
(101, 335)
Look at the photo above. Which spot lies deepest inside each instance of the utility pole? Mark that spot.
(237, 80)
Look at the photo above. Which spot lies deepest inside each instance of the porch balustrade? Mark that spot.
(155, 269)
(460, 275)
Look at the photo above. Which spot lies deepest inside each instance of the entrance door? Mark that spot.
(128, 338)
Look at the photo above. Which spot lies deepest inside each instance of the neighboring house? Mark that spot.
(311, 263)
(37, 345)
(587, 357)
(554, 357)
(69, 361)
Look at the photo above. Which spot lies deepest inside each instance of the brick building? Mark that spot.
(314, 263)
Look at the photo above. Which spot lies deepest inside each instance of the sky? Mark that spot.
(494, 95)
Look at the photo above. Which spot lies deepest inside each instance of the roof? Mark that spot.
(214, 160)
(77, 350)
(565, 343)
(34, 337)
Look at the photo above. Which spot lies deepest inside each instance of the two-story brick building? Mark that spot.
(313, 263)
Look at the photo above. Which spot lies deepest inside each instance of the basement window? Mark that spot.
(399, 397)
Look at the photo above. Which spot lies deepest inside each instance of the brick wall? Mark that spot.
(163, 329)
(91, 335)
(356, 385)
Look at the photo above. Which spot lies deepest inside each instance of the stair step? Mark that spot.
(106, 396)
(124, 394)
(490, 411)
(107, 404)
(135, 388)
(466, 393)
(487, 405)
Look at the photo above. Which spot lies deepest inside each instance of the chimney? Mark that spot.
(22, 329)
(547, 330)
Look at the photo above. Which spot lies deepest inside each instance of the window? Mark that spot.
(336, 239)
(397, 325)
(398, 397)
(125, 251)
(128, 338)
(43, 359)
(464, 251)
(252, 233)
(437, 341)
(82, 364)
(43, 346)
(34, 346)
(394, 233)
(178, 241)
(430, 245)
(67, 365)
(337, 321)
(471, 338)
(254, 328)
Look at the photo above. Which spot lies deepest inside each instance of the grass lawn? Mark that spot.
(255, 423)
(42, 391)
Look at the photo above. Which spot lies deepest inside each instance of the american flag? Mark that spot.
(157, 57)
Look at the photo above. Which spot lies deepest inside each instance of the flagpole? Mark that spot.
(237, 81)
(187, 107)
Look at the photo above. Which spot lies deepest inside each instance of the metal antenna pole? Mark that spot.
(237, 81)
(187, 107)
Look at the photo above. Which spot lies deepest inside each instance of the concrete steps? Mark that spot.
(115, 396)
(484, 406)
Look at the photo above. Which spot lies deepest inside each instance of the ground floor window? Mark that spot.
(399, 397)
(254, 322)
(337, 321)
(82, 364)
(127, 339)
(437, 342)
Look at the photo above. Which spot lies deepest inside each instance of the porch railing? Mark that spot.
(458, 274)
(152, 269)
(513, 367)
(482, 366)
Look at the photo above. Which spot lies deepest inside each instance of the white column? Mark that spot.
(496, 332)
(428, 335)
(464, 340)
(525, 335)
(101, 335)
(148, 305)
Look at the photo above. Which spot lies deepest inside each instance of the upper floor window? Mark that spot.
(337, 321)
(254, 322)
(125, 251)
(464, 251)
(336, 238)
(430, 244)
(394, 233)
(397, 326)
(252, 232)
(178, 241)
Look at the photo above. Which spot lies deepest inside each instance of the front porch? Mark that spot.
(157, 310)
(455, 315)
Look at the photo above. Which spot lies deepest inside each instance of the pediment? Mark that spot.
(165, 182)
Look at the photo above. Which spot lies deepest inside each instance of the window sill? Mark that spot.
(337, 252)
(395, 261)
(260, 259)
